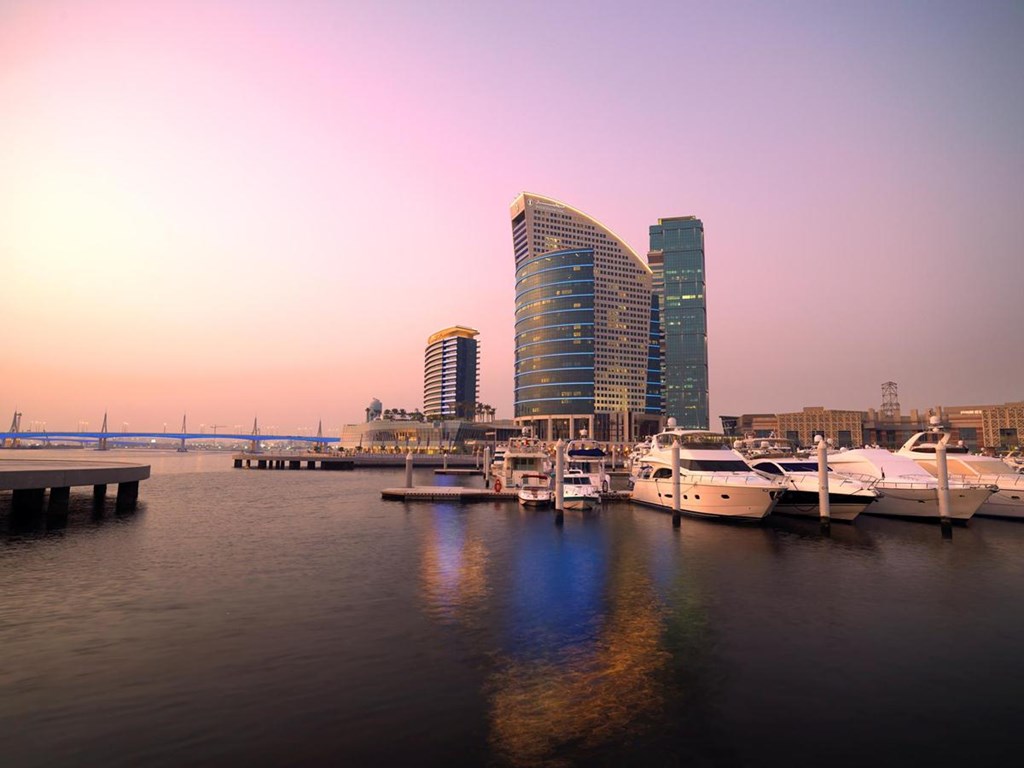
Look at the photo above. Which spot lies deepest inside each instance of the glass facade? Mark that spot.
(677, 260)
(555, 334)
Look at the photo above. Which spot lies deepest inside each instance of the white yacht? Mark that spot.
(579, 491)
(714, 480)
(907, 489)
(535, 490)
(523, 456)
(847, 497)
(964, 467)
(589, 458)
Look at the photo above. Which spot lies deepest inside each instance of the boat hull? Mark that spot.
(1004, 503)
(842, 506)
(727, 502)
(581, 504)
(923, 503)
(533, 501)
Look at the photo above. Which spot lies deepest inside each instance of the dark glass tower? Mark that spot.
(677, 261)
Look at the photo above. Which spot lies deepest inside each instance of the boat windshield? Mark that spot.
(800, 466)
(714, 465)
(576, 480)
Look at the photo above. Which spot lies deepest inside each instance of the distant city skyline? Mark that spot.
(208, 206)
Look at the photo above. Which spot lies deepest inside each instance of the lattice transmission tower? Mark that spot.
(890, 401)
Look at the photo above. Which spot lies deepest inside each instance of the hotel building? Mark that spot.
(450, 374)
(676, 259)
(584, 327)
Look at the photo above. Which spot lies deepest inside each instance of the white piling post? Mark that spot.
(943, 490)
(677, 501)
(444, 460)
(487, 466)
(613, 455)
(824, 508)
(559, 480)
(408, 470)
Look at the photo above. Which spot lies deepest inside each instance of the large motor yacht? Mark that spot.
(907, 489)
(714, 480)
(964, 467)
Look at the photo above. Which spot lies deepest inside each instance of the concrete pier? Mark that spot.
(29, 479)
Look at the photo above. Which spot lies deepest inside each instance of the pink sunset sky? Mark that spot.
(265, 208)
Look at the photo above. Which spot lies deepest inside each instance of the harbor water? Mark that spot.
(246, 617)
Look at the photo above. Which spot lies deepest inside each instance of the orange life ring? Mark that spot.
(497, 486)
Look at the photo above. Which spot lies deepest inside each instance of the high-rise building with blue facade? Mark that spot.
(676, 259)
(450, 374)
(583, 327)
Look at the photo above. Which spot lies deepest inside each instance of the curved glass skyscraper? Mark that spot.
(583, 327)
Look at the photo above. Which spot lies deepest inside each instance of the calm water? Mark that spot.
(262, 618)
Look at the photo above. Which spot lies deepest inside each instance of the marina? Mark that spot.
(466, 625)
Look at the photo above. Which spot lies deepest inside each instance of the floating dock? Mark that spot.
(467, 495)
(29, 479)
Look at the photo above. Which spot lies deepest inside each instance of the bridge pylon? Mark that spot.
(319, 445)
(181, 445)
(102, 445)
(255, 446)
(13, 442)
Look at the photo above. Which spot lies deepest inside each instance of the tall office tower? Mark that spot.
(583, 326)
(677, 260)
(450, 374)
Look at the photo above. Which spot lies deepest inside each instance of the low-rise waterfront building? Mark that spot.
(403, 435)
(992, 427)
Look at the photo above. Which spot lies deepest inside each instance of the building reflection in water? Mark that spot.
(586, 652)
(453, 573)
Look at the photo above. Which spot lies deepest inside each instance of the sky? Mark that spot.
(263, 209)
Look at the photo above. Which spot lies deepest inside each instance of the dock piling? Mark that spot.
(824, 508)
(559, 476)
(408, 470)
(945, 518)
(487, 466)
(677, 502)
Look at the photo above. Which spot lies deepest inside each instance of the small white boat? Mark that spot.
(579, 491)
(589, 458)
(536, 490)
